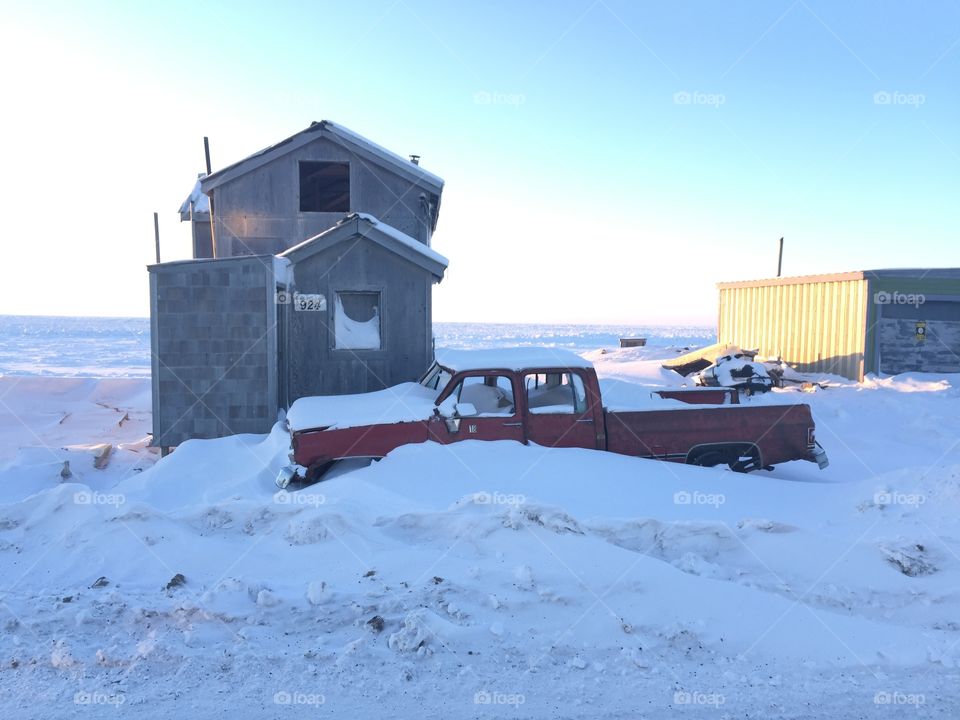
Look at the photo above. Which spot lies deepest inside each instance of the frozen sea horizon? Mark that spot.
(55, 346)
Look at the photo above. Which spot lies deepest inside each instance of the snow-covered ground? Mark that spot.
(479, 579)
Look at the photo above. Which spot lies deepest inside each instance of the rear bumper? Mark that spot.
(819, 456)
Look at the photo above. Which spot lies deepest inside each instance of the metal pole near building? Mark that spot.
(780, 258)
(156, 235)
(213, 235)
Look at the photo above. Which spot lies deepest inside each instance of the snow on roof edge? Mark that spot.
(397, 235)
(403, 238)
(383, 152)
(201, 203)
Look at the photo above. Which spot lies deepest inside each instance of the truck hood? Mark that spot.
(407, 402)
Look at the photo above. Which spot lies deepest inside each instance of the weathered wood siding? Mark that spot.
(259, 212)
(214, 343)
(816, 325)
(358, 264)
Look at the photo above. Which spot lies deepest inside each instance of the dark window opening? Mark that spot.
(324, 187)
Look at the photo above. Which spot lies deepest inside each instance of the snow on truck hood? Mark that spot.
(407, 402)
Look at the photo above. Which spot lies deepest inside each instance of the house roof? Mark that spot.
(338, 134)
(387, 236)
(201, 203)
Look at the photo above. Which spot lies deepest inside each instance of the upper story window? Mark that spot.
(324, 186)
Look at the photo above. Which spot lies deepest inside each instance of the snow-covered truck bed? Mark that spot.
(549, 397)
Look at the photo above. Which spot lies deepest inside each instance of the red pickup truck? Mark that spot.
(549, 397)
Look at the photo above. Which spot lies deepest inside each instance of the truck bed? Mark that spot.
(777, 433)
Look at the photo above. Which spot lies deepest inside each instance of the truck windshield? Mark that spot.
(436, 378)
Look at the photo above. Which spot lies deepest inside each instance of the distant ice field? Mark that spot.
(120, 347)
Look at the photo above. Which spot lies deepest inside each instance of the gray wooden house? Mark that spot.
(305, 184)
(308, 289)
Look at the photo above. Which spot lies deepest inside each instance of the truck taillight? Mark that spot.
(811, 437)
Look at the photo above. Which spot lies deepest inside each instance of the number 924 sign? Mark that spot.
(309, 302)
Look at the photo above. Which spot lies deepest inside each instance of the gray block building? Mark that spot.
(312, 274)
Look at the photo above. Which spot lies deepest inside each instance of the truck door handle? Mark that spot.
(513, 424)
(585, 420)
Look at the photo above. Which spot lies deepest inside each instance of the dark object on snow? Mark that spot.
(437, 579)
(370, 573)
(632, 342)
(688, 369)
(100, 582)
(702, 358)
(376, 623)
(175, 582)
(65, 473)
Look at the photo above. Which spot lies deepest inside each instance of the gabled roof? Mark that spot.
(201, 203)
(347, 139)
(387, 236)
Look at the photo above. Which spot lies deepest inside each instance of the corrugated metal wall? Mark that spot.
(816, 325)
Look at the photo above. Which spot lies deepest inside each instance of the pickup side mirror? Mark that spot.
(451, 411)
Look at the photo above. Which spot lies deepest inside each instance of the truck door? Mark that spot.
(558, 413)
(494, 414)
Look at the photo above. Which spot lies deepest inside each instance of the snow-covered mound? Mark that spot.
(443, 579)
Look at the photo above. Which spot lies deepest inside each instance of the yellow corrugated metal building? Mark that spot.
(850, 323)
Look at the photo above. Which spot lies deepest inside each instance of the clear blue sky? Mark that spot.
(605, 161)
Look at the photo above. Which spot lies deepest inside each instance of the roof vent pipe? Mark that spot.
(415, 159)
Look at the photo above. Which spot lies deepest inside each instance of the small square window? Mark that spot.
(324, 187)
(356, 321)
